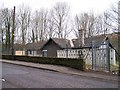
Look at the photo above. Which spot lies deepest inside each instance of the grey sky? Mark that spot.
(77, 6)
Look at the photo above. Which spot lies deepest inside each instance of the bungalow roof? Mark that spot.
(88, 41)
(36, 45)
(113, 38)
(60, 42)
(19, 46)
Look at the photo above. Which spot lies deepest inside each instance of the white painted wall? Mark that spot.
(73, 53)
(112, 57)
(19, 52)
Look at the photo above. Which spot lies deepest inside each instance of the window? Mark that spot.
(30, 52)
(45, 53)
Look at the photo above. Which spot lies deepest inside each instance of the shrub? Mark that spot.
(73, 63)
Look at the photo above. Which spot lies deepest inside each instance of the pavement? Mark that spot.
(66, 70)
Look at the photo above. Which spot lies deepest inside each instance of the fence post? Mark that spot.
(107, 56)
(93, 56)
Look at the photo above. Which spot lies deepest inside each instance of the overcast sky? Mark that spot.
(77, 6)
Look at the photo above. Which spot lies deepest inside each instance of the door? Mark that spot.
(44, 53)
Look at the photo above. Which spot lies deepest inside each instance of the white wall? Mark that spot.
(19, 52)
(70, 53)
(100, 55)
(74, 53)
(112, 57)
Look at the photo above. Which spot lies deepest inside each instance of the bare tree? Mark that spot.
(24, 21)
(84, 21)
(102, 24)
(40, 25)
(6, 26)
(43, 25)
(107, 23)
(1, 38)
(51, 25)
(2, 18)
(35, 26)
(60, 17)
(77, 26)
(17, 32)
(33, 36)
(99, 25)
(90, 25)
(113, 16)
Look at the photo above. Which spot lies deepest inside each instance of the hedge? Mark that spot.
(73, 63)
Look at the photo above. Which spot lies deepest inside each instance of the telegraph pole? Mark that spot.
(13, 29)
(118, 37)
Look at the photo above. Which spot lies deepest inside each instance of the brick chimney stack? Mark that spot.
(81, 38)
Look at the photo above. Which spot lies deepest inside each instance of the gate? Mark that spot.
(101, 56)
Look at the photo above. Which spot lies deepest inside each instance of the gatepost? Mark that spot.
(107, 56)
(93, 56)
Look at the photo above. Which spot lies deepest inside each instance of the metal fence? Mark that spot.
(101, 56)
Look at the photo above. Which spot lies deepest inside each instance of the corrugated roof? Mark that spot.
(37, 45)
(88, 41)
(62, 42)
(19, 46)
(113, 38)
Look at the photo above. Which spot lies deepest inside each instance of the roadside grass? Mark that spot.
(113, 68)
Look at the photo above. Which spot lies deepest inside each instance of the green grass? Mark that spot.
(114, 67)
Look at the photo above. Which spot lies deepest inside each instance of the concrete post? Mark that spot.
(93, 56)
(107, 56)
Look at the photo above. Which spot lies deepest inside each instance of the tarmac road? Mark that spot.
(26, 77)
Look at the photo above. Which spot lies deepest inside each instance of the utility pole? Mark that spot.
(13, 29)
(119, 16)
(107, 56)
(119, 38)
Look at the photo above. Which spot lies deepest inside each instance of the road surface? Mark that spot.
(25, 77)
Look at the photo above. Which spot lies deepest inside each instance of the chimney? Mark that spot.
(81, 38)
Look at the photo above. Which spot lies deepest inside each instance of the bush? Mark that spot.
(73, 63)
